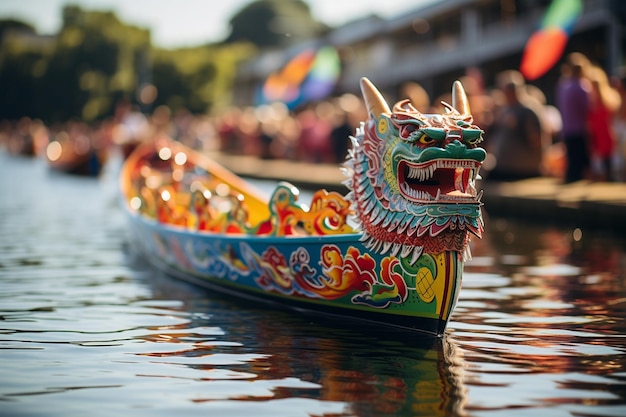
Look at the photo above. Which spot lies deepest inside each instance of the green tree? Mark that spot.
(199, 78)
(8, 25)
(23, 58)
(93, 62)
(274, 23)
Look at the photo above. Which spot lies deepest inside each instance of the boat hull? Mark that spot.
(330, 275)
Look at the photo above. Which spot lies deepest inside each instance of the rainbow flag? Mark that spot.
(546, 45)
(310, 75)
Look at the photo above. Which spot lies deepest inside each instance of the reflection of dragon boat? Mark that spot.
(391, 251)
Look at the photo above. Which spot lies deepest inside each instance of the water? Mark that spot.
(89, 329)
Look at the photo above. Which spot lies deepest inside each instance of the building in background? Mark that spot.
(435, 44)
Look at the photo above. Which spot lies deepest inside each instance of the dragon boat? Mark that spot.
(390, 251)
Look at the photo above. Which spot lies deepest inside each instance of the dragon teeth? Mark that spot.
(416, 194)
(427, 172)
(422, 174)
(458, 179)
(424, 196)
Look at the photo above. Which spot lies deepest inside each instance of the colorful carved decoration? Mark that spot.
(209, 211)
(167, 209)
(412, 177)
(327, 215)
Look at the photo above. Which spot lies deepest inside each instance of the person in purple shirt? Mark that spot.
(573, 100)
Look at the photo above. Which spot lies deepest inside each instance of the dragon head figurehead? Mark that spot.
(412, 176)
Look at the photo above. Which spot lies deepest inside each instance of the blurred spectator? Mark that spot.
(130, 127)
(417, 94)
(481, 103)
(268, 131)
(21, 140)
(202, 133)
(288, 136)
(619, 127)
(248, 132)
(605, 101)
(181, 125)
(315, 137)
(573, 100)
(516, 138)
(161, 122)
(554, 160)
(347, 108)
(267, 138)
(226, 126)
(549, 114)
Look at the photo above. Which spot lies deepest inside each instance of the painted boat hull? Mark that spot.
(333, 275)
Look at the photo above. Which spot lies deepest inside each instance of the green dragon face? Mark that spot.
(413, 176)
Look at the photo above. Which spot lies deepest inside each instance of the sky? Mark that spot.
(179, 23)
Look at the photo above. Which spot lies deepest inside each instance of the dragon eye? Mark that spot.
(430, 135)
(424, 139)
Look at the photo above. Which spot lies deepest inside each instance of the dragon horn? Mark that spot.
(376, 104)
(459, 99)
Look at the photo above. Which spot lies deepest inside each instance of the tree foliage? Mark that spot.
(199, 78)
(274, 23)
(95, 60)
(8, 25)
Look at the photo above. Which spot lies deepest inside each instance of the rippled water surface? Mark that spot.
(89, 329)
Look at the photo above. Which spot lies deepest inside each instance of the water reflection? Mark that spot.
(268, 355)
(542, 316)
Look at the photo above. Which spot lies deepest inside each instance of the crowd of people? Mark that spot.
(581, 136)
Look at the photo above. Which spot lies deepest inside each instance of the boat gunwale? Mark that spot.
(203, 234)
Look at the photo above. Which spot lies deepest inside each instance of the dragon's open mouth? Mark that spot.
(440, 180)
